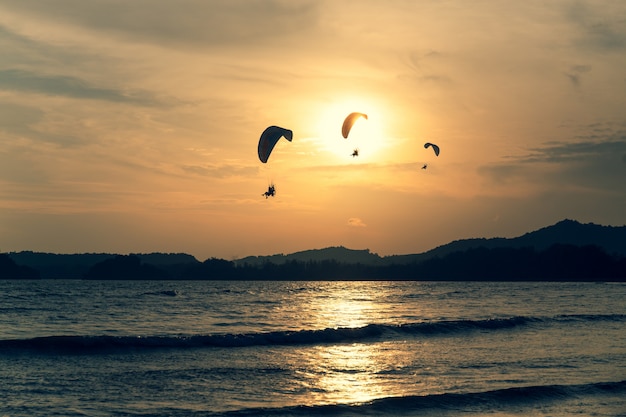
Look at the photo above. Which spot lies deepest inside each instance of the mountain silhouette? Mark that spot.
(567, 232)
(334, 253)
(9, 269)
(565, 250)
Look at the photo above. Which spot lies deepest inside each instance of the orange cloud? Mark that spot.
(356, 222)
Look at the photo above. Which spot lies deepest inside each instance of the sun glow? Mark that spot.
(367, 135)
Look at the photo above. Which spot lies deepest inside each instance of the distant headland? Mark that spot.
(565, 251)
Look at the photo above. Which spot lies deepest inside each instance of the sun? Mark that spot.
(367, 136)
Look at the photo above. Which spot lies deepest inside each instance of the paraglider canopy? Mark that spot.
(268, 140)
(435, 147)
(349, 121)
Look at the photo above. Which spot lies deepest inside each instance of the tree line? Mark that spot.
(559, 262)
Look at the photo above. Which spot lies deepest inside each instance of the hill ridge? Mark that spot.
(610, 239)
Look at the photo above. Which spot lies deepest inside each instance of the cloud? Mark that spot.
(183, 23)
(356, 222)
(421, 68)
(575, 72)
(601, 28)
(595, 163)
(17, 118)
(221, 171)
(60, 85)
(19, 121)
(576, 151)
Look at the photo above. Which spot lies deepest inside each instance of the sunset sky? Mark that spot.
(132, 126)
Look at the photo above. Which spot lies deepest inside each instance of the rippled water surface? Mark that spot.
(302, 348)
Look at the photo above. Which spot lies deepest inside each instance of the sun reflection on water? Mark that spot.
(344, 306)
(346, 372)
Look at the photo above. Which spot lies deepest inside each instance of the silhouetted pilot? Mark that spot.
(271, 191)
(355, 153)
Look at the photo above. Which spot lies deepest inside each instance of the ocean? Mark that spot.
(277, 348)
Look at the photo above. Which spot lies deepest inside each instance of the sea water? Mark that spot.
(208, 348)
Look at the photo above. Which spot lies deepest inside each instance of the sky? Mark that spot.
(132, 126)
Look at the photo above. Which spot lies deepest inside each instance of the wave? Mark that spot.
(86, 343)
(591, 317)
(488, 401)
(167, 293)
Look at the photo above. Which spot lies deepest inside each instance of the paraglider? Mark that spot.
(271, 191)
(435, 147)
(355, 152)
(268, 140)
(349, 121)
